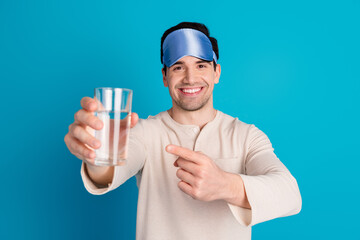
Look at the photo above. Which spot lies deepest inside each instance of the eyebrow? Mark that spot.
(197, 62)
(203, 61)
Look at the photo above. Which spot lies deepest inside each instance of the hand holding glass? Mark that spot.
(114, 110)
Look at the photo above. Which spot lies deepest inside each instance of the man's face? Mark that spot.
(191, 82)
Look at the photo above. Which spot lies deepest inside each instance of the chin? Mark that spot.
(191, 107)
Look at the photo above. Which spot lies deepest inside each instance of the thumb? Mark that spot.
(134, 119)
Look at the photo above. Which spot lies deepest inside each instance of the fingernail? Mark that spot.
(98, 124)
(92, 104)
(168, 148)
(95, 143)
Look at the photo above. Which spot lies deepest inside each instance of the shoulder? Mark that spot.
(248, 131)
(152, 123)
(154, 120)
(227, 121)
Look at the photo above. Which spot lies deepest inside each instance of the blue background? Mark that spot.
(290, 68)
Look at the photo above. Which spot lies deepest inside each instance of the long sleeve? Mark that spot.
(271, 189)
(134, 163)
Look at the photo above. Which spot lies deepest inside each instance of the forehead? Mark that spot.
(190, 60)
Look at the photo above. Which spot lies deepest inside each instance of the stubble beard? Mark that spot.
(192, 106)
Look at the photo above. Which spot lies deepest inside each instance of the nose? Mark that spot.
(190, 76)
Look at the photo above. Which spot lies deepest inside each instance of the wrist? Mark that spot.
(99, 174)
(235, 193)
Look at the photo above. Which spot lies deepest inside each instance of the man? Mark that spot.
(201, 174)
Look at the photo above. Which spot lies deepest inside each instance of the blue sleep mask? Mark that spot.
(187, 42)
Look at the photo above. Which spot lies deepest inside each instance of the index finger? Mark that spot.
(184, 153)
(88, 104)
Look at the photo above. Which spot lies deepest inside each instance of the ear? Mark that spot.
(217, 73)
(164, 78)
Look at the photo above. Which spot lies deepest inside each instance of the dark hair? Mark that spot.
(194, 25)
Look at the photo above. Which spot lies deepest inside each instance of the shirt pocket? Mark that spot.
(231, 165)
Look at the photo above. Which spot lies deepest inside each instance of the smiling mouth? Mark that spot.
(191, 91)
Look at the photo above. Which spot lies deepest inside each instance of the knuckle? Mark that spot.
(83, 101)
(72, 151)
(205, 158)
(72, 147)
(77, 130)
(76, 115)
(200, 154)
(90, 119)
(67, 140)
(200, 182)
(201, 158)
(201, 173)
(196, 193)
(84, 152)
(87, 118)
(188, 155)
(178, 173)
(179, 163)
(70, 127)
(196, 183)
(79, 156)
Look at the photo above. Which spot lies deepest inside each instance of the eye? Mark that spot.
(176, 68)
(202, 66)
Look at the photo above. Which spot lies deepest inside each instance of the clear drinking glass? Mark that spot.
(114, 110)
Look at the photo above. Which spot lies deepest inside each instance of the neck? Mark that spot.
(199, 117)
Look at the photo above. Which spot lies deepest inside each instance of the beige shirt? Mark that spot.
(165, 212)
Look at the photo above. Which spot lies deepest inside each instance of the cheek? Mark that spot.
(172, 88)
(210, 79)
(172, 82)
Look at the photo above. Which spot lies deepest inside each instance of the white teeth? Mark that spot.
(191, 90)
